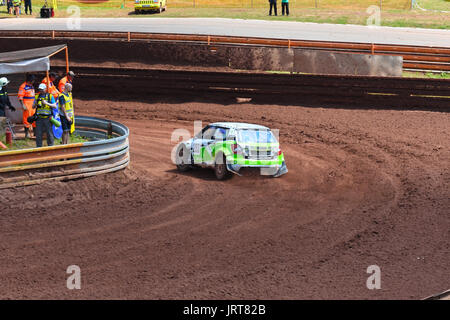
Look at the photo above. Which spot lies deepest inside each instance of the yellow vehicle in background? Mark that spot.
(141, 6)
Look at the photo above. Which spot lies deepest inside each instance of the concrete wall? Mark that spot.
(322, 62)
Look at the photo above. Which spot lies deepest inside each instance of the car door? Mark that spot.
(202, 145)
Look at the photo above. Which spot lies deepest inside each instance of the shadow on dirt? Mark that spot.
(197, 173)
(207, 174)
(143, 13)
(138, 90)
(286, 100)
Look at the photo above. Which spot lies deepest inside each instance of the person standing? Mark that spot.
(28, 6)
(26, 97)
(67, 79)
(4, 98)
(273, 4)
(61, 86)
(16, 5)
(9, 6)
(66, 111)
(285, 7)
(50, 84)
(44, 104)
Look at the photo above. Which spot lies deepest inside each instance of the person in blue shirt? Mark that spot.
(285, 7)
(44, 103)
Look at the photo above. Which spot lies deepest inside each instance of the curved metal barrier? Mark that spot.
(108, 151)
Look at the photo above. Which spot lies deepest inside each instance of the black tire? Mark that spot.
(220, 168)
(136, 11)
(183, 159)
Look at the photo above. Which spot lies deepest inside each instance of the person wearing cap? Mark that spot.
(49, 82)
(67, 79)
(66, 112)
(4, 98)
(44, 104)
(26, 97)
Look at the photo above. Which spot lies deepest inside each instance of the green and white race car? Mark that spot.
(229, 146)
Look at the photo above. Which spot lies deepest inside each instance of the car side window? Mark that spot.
(208, 133)
(220, 134)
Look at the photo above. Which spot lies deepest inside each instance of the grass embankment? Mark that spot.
(427, 75)
(395, 13)
(31, 143)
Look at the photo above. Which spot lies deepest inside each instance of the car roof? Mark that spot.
(238, 125)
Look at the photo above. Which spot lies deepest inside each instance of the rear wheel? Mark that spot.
(220, 168)
(183, 159)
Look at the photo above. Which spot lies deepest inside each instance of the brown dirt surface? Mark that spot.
(364, 187)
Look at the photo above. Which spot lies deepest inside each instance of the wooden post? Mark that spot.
(48, 81)
(67, 60)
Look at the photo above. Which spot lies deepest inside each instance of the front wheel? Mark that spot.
(183, 159)
(220, 168)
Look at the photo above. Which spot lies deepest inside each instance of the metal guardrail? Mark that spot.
(108, 151)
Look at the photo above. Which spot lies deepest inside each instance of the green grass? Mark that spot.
(428, 75)
(443, 5)
(30, 143)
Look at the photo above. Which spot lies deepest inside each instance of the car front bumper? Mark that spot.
(143, 7)
(274, 170)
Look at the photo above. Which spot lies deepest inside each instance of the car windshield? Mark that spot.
(256, 135)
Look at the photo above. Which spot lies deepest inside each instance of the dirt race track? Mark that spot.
(364, 187)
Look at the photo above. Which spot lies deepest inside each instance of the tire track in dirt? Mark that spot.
(354, 196)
